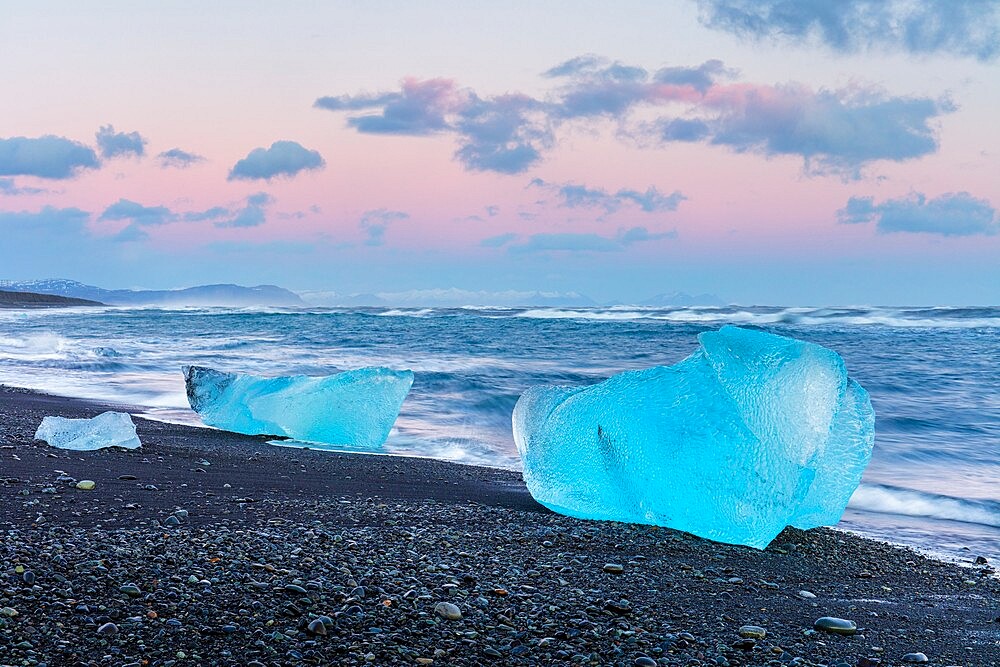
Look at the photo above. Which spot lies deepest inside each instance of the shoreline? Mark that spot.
(216, 573)
(952, 554)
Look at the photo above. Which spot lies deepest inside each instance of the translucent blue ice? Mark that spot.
(751, 433)
(108, 429)
(355, 407)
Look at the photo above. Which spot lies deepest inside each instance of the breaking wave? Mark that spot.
(908, 502)
(950, 318)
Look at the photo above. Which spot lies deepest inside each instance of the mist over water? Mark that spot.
(933, 375)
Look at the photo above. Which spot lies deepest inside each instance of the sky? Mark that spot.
(767, 151)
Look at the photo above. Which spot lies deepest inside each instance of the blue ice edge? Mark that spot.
(353, 409)
(751, 433)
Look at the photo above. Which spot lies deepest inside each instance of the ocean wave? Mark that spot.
(964, 318)
(410, 312)
(943, 317)
(35, 347)
(909, 502)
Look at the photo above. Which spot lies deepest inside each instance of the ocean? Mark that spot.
(933, 375)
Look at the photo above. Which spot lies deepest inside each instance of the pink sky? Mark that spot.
(765, 147)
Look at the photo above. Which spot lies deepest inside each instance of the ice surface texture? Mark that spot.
(108, 429)
(355, 407)
(751, 433)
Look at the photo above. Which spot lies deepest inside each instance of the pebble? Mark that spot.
(448, 611)
(108, 629)
(131, 590)
(915, 658)
(753, 632)
(380, 567)
(172, 521)
(807, 595)
(837, 626)
(613, 568)
(86, 485)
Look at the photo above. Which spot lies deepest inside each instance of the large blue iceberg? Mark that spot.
(751, 433)
(355, 407)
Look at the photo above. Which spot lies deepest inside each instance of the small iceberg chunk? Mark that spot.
(751, 433)
(108, 429)
(355, 407)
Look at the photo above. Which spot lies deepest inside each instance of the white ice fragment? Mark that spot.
(108, 429)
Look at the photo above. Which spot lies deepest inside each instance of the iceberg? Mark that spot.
(355, 407)
(750, 433)
(108, 429)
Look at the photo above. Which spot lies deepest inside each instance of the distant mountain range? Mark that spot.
(203, 295)
(271, 295)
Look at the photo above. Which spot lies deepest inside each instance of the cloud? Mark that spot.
(503, 134)
(641, 234)
(857, 210)
(45, 157)
(125, 209)
(178, 159)
(680, 129)
(498, 241)
(283, 158)
(419, 108)
(837, 132)
(30, 235)
(574, 66)
(951, 214)
(10, 188)
(48, 218)
(375, 223)
(594, 87)
(577, 196)
(576, 242)
(833, 131)
(253, 214)
(138, 216)
(967, 28)
(117, 144)
(701, 78)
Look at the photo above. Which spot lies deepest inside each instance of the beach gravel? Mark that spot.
(289, 557)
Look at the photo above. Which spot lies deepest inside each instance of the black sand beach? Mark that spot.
(209, 548)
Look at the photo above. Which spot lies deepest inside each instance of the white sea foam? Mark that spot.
(945, 318)
(908, 502)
